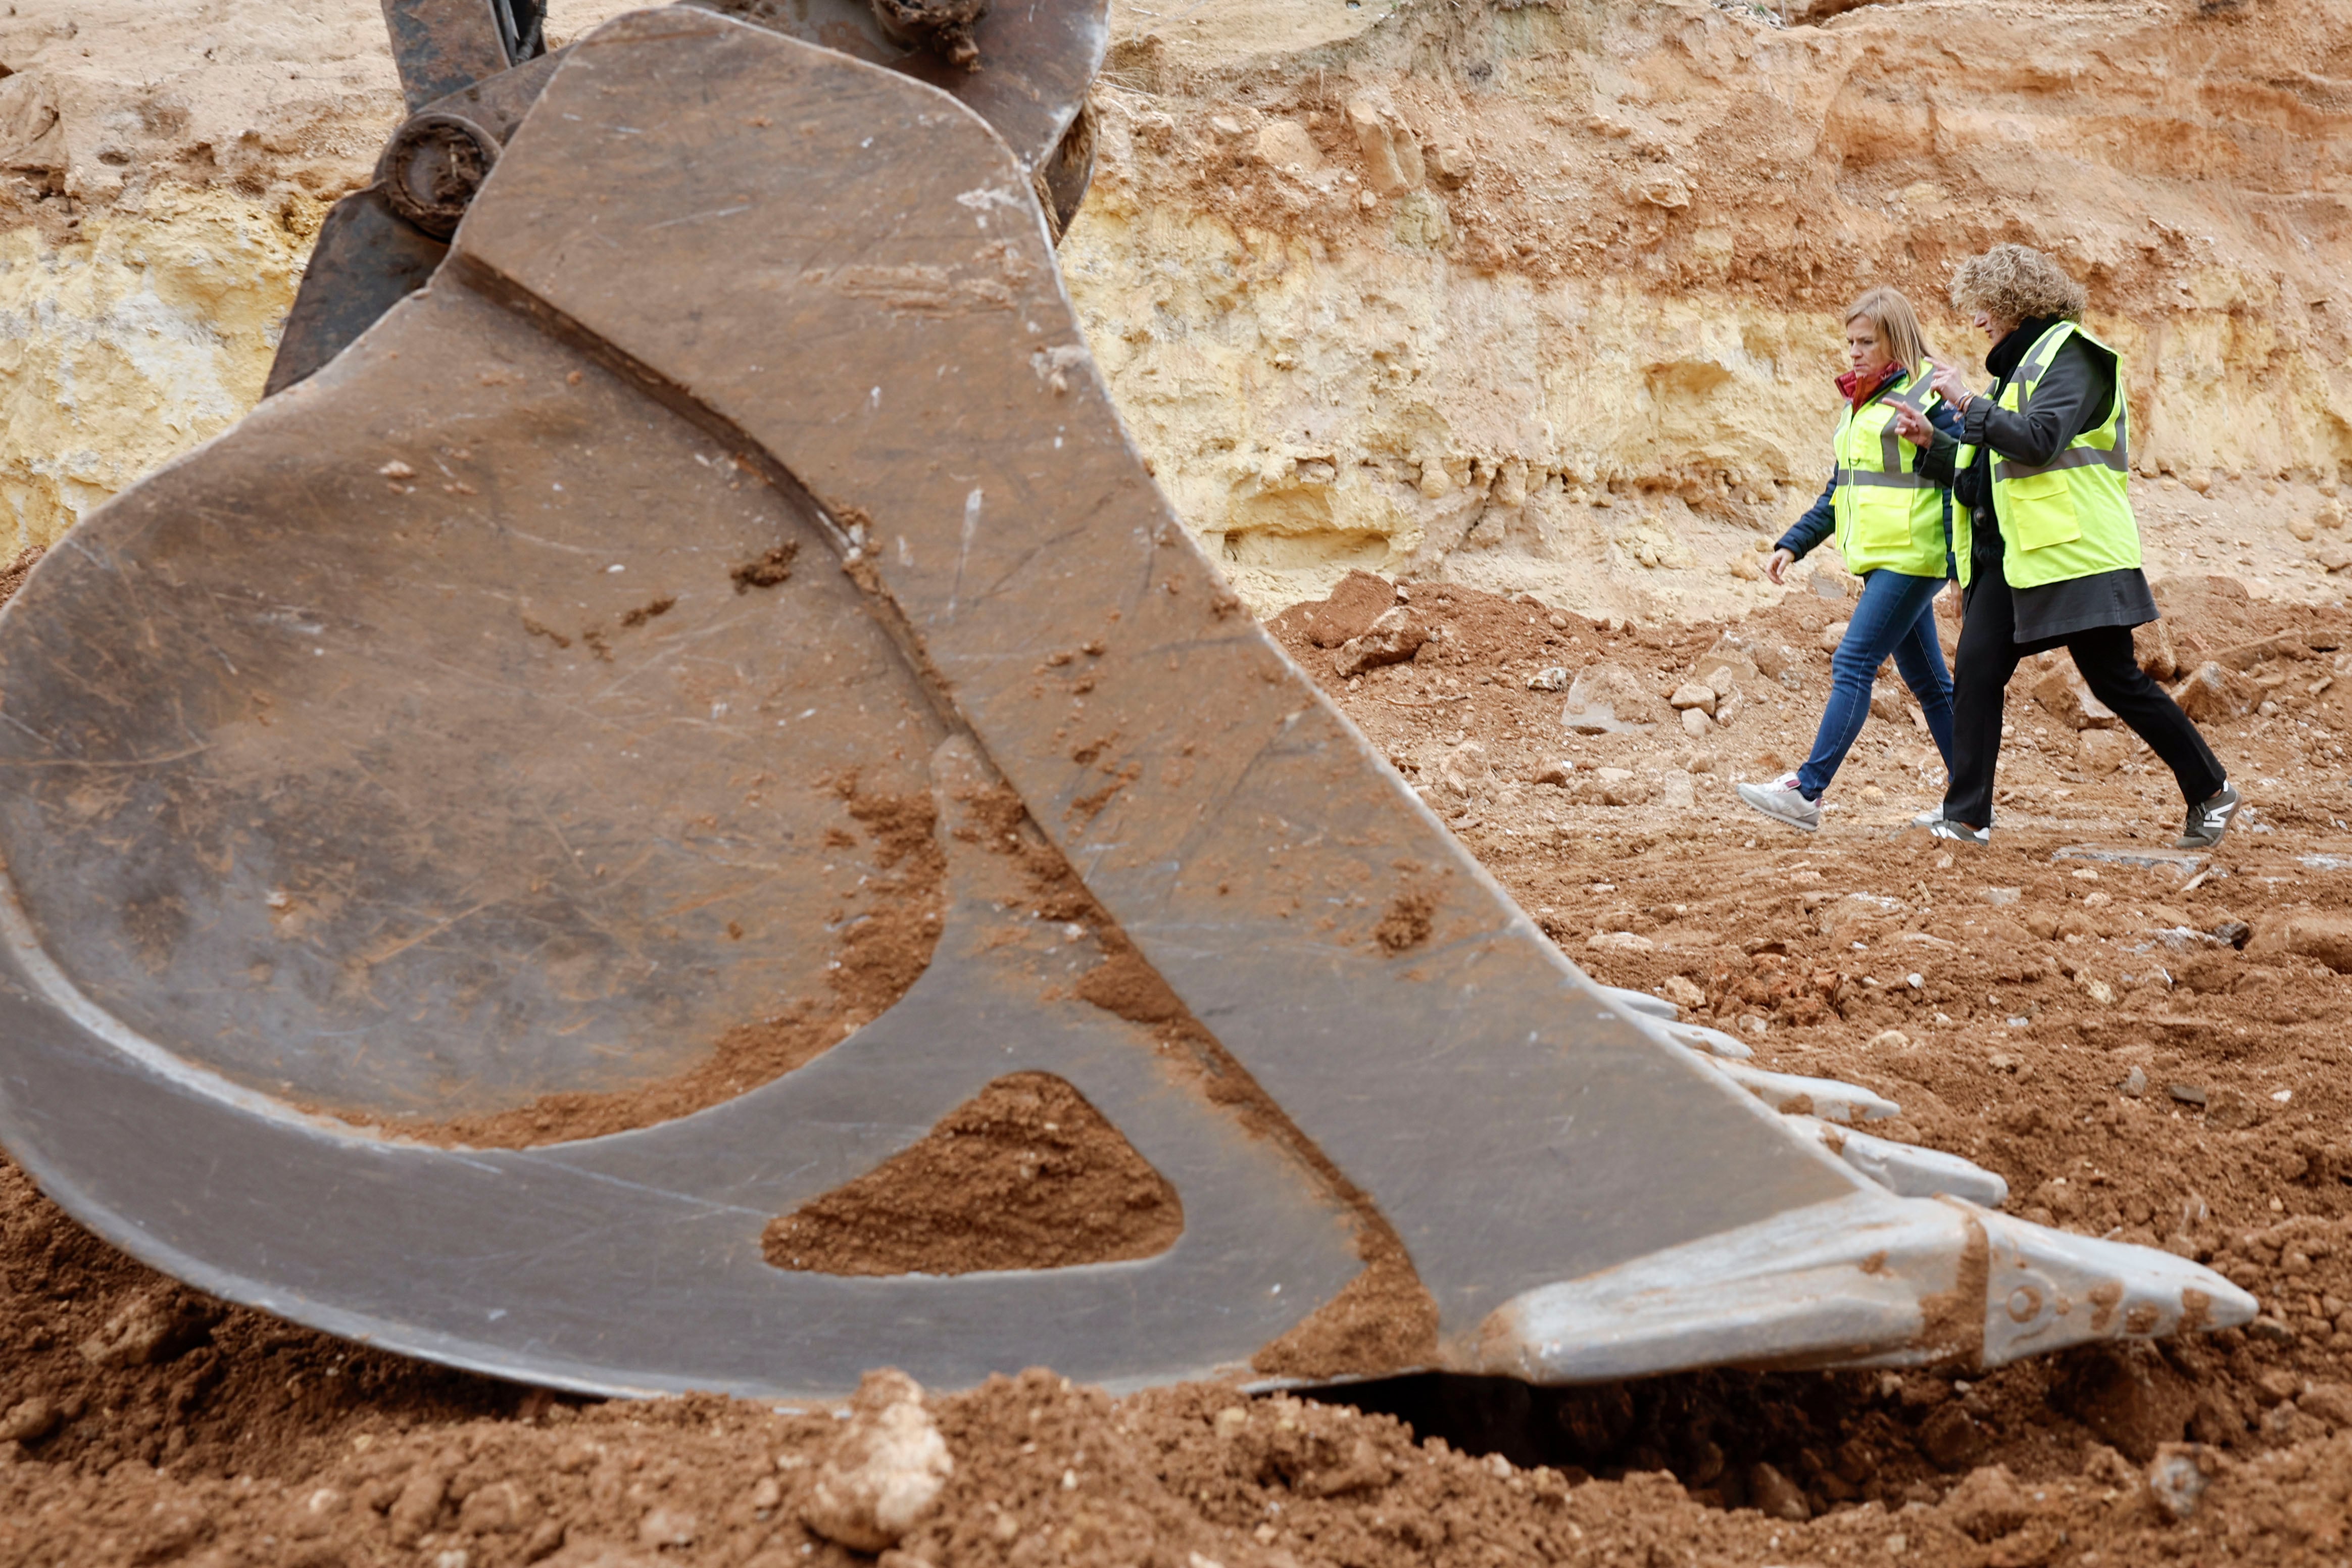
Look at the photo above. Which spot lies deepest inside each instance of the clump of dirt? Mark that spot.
(1025, 1175)
(943, 26)
(13, 575)
(539, 628)
(1408, 920)
(649, 610)
(1357, 600)
(884, 950)
(766, 570)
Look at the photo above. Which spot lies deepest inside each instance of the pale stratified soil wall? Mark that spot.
(1537, 298)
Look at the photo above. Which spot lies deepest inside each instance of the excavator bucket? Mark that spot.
(515, 847)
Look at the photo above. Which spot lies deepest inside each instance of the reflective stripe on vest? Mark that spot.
(2070, 517)
(1888, 513)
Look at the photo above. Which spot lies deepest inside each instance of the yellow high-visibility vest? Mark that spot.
(2069, 518)
(1888, 513)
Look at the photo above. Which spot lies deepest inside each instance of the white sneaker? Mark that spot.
(1781, 801)
(1930, 818)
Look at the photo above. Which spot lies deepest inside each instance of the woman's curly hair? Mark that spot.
(2016, 283)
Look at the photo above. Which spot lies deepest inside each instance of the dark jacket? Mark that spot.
(1821, 518)
(2075, 393)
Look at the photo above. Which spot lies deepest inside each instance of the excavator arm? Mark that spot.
(471, 70)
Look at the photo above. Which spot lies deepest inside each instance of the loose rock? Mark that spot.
(2213, 695)
(1776, 1495)
(1395, 637)
(30, 1420)
(2128, 1395)
(1694, 694)
(1988, 1504)
(1949, 1438)
(2178, 1478)
(2328, 938)
(885, 1471)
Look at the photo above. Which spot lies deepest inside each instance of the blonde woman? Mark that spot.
(1893, 527)
(2048, 548)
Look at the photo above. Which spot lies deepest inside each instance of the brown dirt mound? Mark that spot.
(1024, 1175)
(1049, 1474)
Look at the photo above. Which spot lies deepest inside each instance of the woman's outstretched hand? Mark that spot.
(1912, 426)
(1951, 386)
(1777, 566)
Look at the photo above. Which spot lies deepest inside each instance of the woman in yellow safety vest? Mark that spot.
(2048, 549)
(1893, 528)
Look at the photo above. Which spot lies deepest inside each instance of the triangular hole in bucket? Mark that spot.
(1024, 1175)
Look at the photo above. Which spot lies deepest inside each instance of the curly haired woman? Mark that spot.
(2048, 549)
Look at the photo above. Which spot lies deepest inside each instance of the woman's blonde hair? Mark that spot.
(1898, 324)
(2016, 283)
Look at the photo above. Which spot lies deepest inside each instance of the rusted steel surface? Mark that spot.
(1037, 58)
(366, 259)
(1041, 62)
(432, 168)
(444, 46)
(498, 103)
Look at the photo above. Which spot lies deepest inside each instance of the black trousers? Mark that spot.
(1988, 657)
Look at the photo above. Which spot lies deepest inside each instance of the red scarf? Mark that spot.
(1857, 394)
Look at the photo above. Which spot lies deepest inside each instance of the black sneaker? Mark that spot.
(2208, 819)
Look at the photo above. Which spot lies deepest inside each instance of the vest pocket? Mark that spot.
(2039, 512)
(1881, 516)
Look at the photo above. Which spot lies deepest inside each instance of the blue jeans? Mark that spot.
(1896, 616)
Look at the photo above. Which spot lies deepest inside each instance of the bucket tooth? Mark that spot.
(1855, 1284)
(1905, 1169)
(1823, 1096)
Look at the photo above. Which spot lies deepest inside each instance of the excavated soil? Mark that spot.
(1024, 1175)
(2128, 1070)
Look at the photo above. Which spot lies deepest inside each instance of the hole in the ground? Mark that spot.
(1828, 1439)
